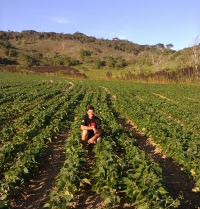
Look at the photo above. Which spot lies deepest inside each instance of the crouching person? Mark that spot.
(90, 127)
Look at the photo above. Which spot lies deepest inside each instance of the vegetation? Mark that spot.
(111, 176)
(35, 109)
(95, 57)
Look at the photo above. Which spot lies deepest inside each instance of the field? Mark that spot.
(148, 158)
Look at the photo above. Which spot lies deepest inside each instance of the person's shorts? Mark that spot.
(91, 134)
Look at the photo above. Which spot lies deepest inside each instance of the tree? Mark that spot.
(67, 61)
(84, 53)
(157, 59)
(115, 39)
(26, 61)
(169, 46)
(120, 63)
(4, 61)
(195, 54)
(98, 63)
(110, 61)
(6, 45)
(63, 45)
(12, 53)
(160, 46)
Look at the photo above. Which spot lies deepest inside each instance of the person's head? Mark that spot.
(90, 111)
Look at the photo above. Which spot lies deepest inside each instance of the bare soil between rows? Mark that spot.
(86, 198)
(36, 190)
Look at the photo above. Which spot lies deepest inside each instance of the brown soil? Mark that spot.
(36, 191)
(177, 182)
(69, 87)
(163, 97)
(110, 93)
(172, 118)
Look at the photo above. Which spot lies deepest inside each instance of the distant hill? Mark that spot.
(91, 56)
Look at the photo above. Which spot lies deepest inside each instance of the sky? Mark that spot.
(149, 22)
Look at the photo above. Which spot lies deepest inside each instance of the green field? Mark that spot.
(34, 110)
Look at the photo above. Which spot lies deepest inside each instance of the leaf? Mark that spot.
(87, 181)
(66, 192)
(26, 170)
(192, 171)
(144, 206)
(107, 201)
(162, 191)
(176, 203)
(49, 139)
(47, 205)
(196, 189)
(3, 197)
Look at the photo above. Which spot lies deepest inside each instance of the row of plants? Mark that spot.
(73, 175)
(181, 103)
(180, 112)
(125, 169)
(25, 130)
(25, 96)
(27, 158)
(177, 140)
(39, 114)
(121, 173)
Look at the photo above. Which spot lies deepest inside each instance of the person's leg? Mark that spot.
(84, 137)
(95, 138)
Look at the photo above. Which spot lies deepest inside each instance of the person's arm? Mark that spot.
(83, 127)
(98, 127)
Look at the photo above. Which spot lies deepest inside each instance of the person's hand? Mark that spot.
(90, 141)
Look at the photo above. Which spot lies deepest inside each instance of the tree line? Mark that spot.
(115, 43)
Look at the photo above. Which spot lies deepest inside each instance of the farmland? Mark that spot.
(120, 171)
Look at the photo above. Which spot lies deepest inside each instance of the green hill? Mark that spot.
(96, 58)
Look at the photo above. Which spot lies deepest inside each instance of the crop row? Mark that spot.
(27, 158)
(180, 110)
(177, 141)
(39, 118)
(72, 175)
(27, 97)
(138, 176)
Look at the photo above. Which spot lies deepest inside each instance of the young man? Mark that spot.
(90, 127)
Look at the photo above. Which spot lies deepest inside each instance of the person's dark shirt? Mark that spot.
(94, 122)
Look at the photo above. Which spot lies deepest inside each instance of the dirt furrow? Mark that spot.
(36, 190)
(85, 196)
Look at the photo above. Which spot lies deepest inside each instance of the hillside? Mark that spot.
(96, 58)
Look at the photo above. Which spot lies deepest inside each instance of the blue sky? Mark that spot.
(140, 21)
